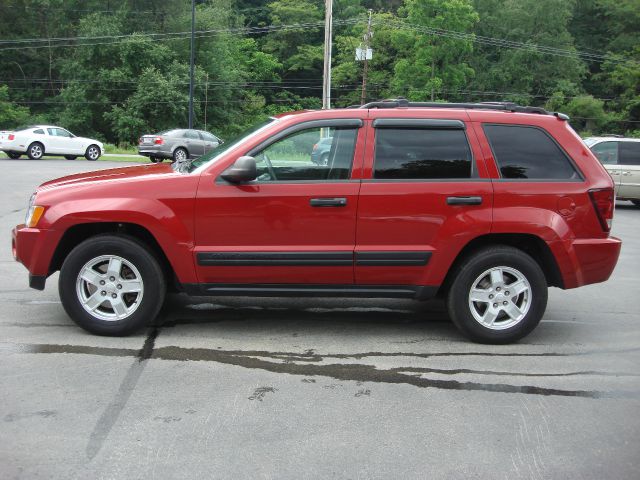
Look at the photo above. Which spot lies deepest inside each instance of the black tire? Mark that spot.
(636, 203)
(35, 151)
(92, 153)
(155, 159)
(180, 154)
(324, 159)
(70, 157)
(472, 269)
(130, 252)
(13, 155)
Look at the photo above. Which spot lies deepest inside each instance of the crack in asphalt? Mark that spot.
(110, 415)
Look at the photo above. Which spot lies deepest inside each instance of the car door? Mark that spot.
(54, 143)
(294, 224)
(607, 154)
(629, 159)
(210, 141)
(424, 195)
(194, 143)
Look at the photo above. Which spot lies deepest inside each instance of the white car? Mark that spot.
(39, 140)
(621, 157)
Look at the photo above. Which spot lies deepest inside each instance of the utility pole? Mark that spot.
(367, 41)
(326, 77)
(193, 29)
(206, 90)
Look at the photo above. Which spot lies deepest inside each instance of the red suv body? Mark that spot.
(486, 205)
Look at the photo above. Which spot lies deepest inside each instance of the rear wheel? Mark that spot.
(35, 151)
(92, 153)
(70, 157)
(636, 203)
(180, 155)
(498, 295)
(111, 285)
(13, 155)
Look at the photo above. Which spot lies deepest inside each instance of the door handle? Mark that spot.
(464, 200)
(328, 202)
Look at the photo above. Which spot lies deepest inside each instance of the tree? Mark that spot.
(433, 64)
(11, 115)
(525, 74)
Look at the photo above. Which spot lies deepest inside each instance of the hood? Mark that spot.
(113, 174)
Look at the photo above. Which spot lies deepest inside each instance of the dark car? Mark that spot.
(483, 205)
(321, 150)
(177, 144)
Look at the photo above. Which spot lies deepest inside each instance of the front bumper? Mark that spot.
(34, 248)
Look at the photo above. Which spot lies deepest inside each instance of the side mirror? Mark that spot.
(244, 169)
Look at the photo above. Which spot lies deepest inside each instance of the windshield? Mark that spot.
(214, 154)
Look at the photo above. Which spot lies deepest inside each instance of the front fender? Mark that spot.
(170, 225)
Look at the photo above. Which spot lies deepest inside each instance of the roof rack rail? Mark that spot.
(501, 106)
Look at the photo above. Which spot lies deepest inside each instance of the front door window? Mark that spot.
(314, 154)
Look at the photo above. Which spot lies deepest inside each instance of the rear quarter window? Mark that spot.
(524, 152)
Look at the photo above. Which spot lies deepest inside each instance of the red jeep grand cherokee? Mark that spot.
(484, 204)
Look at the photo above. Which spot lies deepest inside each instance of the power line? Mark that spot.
(498, 42)
(87, 41)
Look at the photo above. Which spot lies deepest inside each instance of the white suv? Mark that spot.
(39, 140)
(621, 157)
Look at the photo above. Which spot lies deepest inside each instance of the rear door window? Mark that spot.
(421, 154)
(191, 134)
(629, 153)
(524, 152)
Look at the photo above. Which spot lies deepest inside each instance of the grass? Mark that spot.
(123, 149)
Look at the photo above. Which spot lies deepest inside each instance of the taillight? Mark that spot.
(603, 200)
(158, 140)
(315, 146)
(140, 141)
(11, 136)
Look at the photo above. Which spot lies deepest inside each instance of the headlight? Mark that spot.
(34, 213)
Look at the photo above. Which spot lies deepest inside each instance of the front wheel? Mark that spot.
(498, 295)
(13, 155)
(154, 159)
(92, 153)
(70, 157)
(636, 203)
(111, 285)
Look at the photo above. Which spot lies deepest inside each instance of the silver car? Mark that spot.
(621, 157)
(177, 144)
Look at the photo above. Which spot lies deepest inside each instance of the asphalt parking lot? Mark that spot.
(236, 388)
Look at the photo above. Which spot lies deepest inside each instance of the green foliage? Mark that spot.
(128, 83)
(10, 114)
(434, 64)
